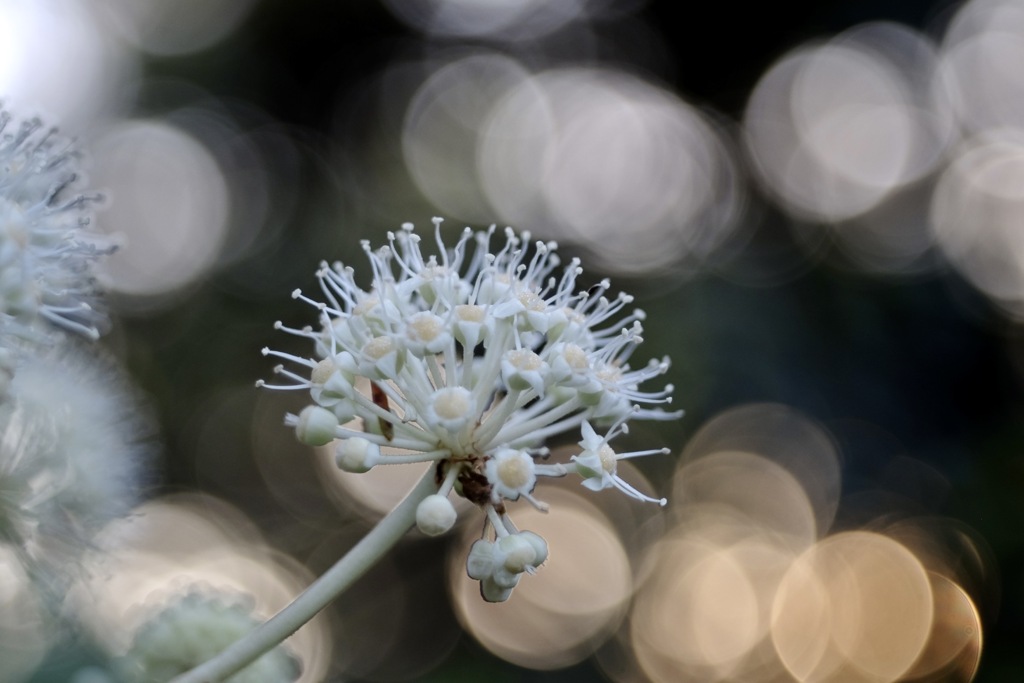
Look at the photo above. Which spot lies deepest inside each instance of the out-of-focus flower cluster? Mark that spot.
(193, 629)
(73, 433)
(69, 445)
(471, 359)
(70, 454)
(46, 249)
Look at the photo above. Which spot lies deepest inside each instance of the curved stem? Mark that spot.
(319, 594)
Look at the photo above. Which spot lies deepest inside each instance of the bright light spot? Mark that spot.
(976, 214)
(856, 602)
(559, 615)
(768, 462)
(748, 486)
(618, 165)
(56, 60)
(175, 27)
(800, 622)
(981, 50)
(953, 652)
(169, 200)
(895, 237)
(746, 585)
(442, 125)
(834, 129)
(703, 606)
(502, 19)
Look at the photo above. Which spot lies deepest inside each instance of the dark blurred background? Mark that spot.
(818, 204)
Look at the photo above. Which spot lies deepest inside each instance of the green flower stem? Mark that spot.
(320, 593)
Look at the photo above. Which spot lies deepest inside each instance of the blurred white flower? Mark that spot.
(192, 629)
(47, 252)
(475, 357)
(72, 454)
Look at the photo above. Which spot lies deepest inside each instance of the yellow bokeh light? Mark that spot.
(857, 603)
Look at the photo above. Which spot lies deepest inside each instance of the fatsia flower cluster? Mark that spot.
(472, 357)
(47, 251)
(72, 455)
(71, 451)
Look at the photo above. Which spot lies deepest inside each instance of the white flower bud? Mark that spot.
(480, 563)
(540, 547)
(435, 515)
(356, 455)
(503, 578)
(492, 592)
(519, 553)
(316, 426)
(332, 386)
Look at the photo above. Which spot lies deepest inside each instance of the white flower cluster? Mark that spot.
(47, 252)
(70, 430)
(474, 358)
(191, 630)
(71, 456)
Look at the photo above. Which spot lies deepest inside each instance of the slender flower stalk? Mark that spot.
(370, 549)
(473, 357)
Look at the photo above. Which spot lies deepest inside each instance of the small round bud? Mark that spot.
(480, 563)
(356, 455)
(435, 515)
(519, 553)
(540, 547)
(316, 426)
(504, 578)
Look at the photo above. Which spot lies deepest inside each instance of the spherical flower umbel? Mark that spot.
(193, 628)
(474, 357)
(47, 252)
